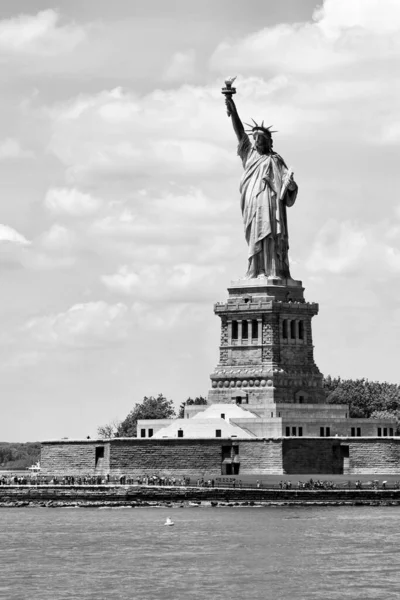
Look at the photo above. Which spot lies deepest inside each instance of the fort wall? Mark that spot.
(372, 455)
(211, 457)
(170, 457)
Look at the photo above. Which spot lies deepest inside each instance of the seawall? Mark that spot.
(136, 496)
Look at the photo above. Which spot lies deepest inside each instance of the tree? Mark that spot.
(150, 408)
(110, 430)
(190, 402)
(364, 397)
(19, 455)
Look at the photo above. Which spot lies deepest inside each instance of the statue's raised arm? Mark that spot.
(236, 122)
(231, 109)
(267, 188)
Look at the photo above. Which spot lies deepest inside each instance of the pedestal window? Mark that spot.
(235, 330)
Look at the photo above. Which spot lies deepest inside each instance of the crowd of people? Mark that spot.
(331, 485)
(163, 480)
(15, 480)
(184, 481)
(309, 485)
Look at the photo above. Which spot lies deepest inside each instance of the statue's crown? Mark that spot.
(265, 130)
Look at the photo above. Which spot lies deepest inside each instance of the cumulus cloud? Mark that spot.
(165, 317)
(123, 281)
(342, 32)
(165, 132)
(89, 325)
(70, 201)
(179, 243)
(54, 249)
(336, 70)
(184, 282)
(163, 215)
(8, 234)
(336, 16)
(40, 34)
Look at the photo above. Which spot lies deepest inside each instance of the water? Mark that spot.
(215, 553)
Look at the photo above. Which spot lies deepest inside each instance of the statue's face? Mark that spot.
(262, 142)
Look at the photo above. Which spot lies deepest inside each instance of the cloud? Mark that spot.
(165, 316)
(338, 248)
(180, 240)
(180, 283)
(161, 320)
(14, 247)
(181, 67)
(40, 34)
(123, 281)
(11, 148)
(118, 134)
(346, 248)
(162, 216)
(64, 201)
(336, 16)
(336, 72)
(89, 325)
(58, 237)
(10, 235)
(56, 248)
(342, 32)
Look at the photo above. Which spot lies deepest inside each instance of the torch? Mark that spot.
(228, 90)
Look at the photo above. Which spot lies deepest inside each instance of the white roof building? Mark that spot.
(214, 421)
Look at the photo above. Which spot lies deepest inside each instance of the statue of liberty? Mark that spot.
(267, 188)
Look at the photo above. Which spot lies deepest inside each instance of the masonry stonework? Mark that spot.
(266, 351)
(206, 457)
(371, 455)
(74, 458)
(170, 457)
(304, 456)
(263, 457)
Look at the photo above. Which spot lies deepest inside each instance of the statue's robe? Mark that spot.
(265, 194)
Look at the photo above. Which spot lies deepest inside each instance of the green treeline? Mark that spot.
(18, 455)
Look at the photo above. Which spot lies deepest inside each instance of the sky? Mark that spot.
(120, 224)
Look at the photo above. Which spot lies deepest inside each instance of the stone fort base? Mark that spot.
(215, 457)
